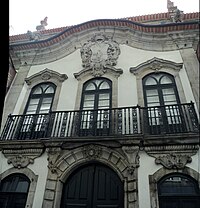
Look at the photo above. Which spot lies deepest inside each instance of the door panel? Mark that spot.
(93, 186)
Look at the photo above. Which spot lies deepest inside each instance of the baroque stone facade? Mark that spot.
(106, 100)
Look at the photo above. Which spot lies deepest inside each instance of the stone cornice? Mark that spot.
(119, 23)
(62, 45)
(170, 148)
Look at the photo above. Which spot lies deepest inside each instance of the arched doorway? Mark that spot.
(93, 185)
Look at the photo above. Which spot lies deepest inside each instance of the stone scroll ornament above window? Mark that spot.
(98, 54)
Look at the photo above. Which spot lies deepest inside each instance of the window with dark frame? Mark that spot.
(35, 117)
(96, 99)
(14, 191)
(162, 102)
(178, 191)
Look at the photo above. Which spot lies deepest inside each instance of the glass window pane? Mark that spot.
(165, 80)
(38, 90)
(104, 85)
(150, 81)
(153, 99)
(152, 92)
(49, 90)
(168, 91)
(22, 186)
(103, 103)
(89, 97)
(90, 86)
(44, 86)
(88, 104)
(97, 82)
(104, 96)
(177, 185)
(31, 108)
(45, 106)
(14, 184)
(34, 101)
(47, 100)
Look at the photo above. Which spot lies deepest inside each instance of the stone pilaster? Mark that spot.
(14, 92)
(191, 64)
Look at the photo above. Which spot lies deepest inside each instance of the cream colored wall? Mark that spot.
(195, 164)
(3, 163)
(147, 167)
(42, 177)
(127, 91)
(36, 168)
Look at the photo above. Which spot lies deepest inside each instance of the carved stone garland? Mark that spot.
(98, 54)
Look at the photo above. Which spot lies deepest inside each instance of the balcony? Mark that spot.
(115, 122)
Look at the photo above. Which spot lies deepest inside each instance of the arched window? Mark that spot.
(178, 191)
(162, 102)
(33, 124)
(40, 99)
(14, 191)
(96, 98)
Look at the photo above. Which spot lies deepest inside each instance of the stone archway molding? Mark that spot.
(63, 162)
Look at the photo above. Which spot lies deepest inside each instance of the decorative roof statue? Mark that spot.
(42, 25)
(175, 14)
(170, 6)
(33, 35)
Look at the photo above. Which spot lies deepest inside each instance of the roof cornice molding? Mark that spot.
(119, 23)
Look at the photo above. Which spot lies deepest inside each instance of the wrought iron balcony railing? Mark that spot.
(168, 119)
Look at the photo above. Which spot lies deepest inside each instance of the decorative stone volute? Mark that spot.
(53, 155)
(172, 156)
(21, 158)
(173, 161)
(99, 53)
(132, 155)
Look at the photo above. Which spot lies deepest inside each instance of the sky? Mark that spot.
(25, 15)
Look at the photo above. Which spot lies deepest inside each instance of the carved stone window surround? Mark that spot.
(43, 76)
(33, 182)
(154, 178)
(87, 76)
(156, 65)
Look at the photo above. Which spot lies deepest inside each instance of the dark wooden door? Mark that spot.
(93, 186)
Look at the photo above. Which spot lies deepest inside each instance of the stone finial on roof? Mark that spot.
(170, 6)
(175, 14)
(42, 25)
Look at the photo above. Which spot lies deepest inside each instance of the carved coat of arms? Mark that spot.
(99, 53)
